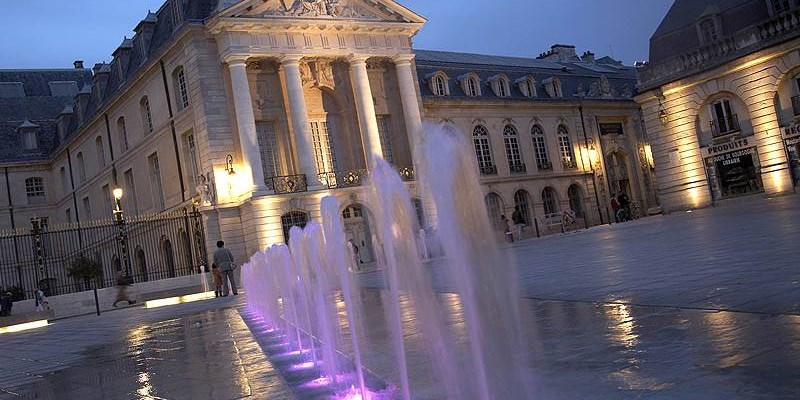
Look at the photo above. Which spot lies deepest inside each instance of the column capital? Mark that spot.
(401, 59)
(289, 59)
(235, 59)
(357, 59)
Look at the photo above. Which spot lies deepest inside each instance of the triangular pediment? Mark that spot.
(373, 10)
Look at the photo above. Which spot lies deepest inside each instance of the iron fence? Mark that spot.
(146, 248)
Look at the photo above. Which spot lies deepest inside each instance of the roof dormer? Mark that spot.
(470, 84)
(709, 25)
(30, 135)
(439, 83)
(122, 57)
(527, 86)
(500, 85)
(552, 86)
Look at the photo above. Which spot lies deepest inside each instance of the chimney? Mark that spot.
(561, 53)
(78, 64)
(587, 56)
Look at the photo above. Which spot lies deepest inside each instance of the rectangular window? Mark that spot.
(724, 119)
(87, 208)
(513, 154)
(101, 152)
(323, 155)
(34, 189)
(65, 187)
(182, 90)
(29, 140)
(155, 182)
(709, 30)
(386, 139)
(131, 198)
(268, 146)
(81, 168)
(780, 6)
(68, 215)
(193, 169)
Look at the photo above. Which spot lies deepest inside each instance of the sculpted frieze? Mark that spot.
(321, 8)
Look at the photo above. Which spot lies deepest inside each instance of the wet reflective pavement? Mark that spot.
(689, 306)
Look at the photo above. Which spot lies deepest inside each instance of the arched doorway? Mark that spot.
(141, 264)
(169, 256)
(357, 228)
(494, 205)
(618, 176)
(550, 201)
(291, 219)
(575, 196)
(522, 204)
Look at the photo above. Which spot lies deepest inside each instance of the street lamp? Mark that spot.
(119, 217)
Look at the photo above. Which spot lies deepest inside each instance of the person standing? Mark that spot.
(615, 207)
(506, 229)
(224, 260)
(122, 289)
(41, 300)
(519, 222)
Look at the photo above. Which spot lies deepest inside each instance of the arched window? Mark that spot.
(34, 189)
(575, 195)
(147, 117)
(527, 86)
(294, 218)
(439, 86)
(500, 85)
(540, 148)
(65, 187)
(101, 151)
(565, 146)
(141, 264)
(549, 201)
(181, 91)
(522, 204)
(513, 154)
(494, 206)
(472, 87)
(324, 157)
(81, 167)
(122, 131)
(483, 150)
(169, 256)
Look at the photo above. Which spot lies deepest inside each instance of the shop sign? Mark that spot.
(725, 147)
(791, 130)
(732, 158)
(793, 141)
(611, 129)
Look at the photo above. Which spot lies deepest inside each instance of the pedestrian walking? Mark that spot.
(6, 302)
(519, 222)
(122, 289)
(615, 207)
(216, 276)
(223, 258)
(41, 300)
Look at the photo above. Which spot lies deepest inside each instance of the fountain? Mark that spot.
(303, 292)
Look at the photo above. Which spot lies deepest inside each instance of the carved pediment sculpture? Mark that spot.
(602, 89)
(321, 8)
(317, 73)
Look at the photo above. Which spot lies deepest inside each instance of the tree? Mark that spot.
(84, 269)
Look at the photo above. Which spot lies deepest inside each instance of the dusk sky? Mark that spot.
(52, 34)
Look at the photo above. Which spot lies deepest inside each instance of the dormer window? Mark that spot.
(30, 135)
(553, 87)
(708, 28)
(500, 86)
(438, 83)
(470, 84)
(778, 6)
(527, 86)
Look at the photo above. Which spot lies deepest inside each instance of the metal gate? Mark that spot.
(146, 248)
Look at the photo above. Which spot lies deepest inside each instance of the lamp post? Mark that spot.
(119, 219)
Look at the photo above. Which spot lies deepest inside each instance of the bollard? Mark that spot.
(96, 302)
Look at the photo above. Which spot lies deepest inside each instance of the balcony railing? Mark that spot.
(545, 166)
(288, 184)
(488, 169)
(518, 168)
(569, 163)
(796, 105)
(724, 126)
(343, 179)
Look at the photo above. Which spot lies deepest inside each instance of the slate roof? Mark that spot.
(38, 107)
(41, 108)
(571, 74)
(677, 32)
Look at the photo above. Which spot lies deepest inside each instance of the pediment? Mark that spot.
(362, 10)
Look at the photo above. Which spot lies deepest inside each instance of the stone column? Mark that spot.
(246, 123)
(299, 113)
(408, 96)
(365, 106)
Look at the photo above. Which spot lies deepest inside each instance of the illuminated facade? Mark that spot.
(720, 97)
(252, 111)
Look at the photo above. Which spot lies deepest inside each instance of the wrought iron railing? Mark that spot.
(796, 105)
(545, 166)
(488, 169)
(569, 163)
(724, 126)
(518, 168)
(343, 179)
(288, 184)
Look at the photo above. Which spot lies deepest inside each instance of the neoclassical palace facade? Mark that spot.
(253, 110)
(721, 98)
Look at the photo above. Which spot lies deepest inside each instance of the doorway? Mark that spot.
(357, 229)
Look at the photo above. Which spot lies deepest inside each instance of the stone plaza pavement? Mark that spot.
(701, 305)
